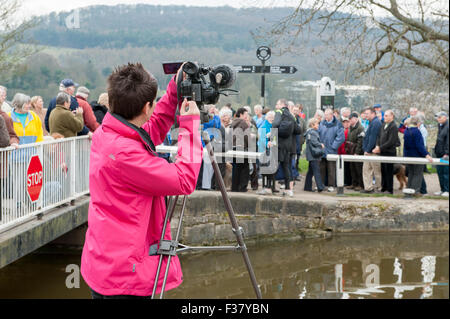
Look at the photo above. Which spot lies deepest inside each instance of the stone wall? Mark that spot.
(206, 221)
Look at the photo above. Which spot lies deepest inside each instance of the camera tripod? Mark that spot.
(169, 248)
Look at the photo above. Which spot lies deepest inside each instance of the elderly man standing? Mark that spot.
(371, 169)
(62, 120)
(88, 114)
(67, 86)
(387, 144)
(354, 142)
(441, 151)
(258, 117)
(332, 135)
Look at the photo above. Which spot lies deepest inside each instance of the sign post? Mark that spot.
(35, 178)
(263, 54)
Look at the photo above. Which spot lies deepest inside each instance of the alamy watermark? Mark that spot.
(73, 279)
(73, 20)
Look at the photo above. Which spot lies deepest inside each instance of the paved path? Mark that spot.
(431, 180)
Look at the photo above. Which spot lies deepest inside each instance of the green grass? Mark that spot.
(431, 169)
(303, 165)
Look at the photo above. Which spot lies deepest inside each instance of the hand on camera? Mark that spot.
(178, 73)
(192, 108)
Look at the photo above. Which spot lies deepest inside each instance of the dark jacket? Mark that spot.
(99, 111)
(332, 135)
(413, 145)
(314, 150)
(286, 145)
(441, 147)
(239, 127)
(300, 138)
(388, 140)
(356, 136)
(370, 139)
(73, 106)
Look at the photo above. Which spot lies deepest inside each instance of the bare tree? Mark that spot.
(13, 45)
(370, 35)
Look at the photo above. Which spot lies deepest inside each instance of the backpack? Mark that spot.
(286, 127)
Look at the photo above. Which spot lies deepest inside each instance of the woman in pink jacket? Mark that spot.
(128, 183)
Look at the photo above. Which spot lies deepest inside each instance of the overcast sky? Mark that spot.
(38, 7)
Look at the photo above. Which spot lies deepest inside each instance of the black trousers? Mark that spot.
(347, 174)
(387, 177)
(268, 181)
(313, 170)
(96, 295)
(240, 176)
(387, 174)
(286, 167)
(356, 172)
(254, 176)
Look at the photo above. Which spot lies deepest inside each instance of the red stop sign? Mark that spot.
(35, 178)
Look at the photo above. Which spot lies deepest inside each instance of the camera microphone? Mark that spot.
(223, 75)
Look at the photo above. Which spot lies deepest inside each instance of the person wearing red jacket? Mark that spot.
(128, 183)
(88, 114)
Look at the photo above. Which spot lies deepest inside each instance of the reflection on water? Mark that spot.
(396, 266)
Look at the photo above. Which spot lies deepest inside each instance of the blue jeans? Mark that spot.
(442, 172)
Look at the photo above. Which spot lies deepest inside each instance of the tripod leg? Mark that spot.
(229, 207)
(176, 240)
(169, 213)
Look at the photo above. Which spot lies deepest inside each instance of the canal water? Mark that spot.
(392, 266)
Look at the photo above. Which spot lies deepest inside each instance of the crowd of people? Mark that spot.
(284, 130)
(24, 120)
(373, 132)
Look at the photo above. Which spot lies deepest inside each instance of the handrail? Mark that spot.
(65, 168)
(341, 159)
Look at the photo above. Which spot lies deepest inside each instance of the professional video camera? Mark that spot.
(196, 88)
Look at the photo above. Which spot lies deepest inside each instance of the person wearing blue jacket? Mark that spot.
(332, 135)
(206, 171)
(371, 170)
(414, 147)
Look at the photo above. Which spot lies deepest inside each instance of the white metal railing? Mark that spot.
(340, 159)
(65, 166)
(228, 154)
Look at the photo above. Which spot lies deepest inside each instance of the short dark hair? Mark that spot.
(370, 108)
(240, 111)
(130, 87)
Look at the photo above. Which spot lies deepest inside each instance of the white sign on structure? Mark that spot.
(327, 87)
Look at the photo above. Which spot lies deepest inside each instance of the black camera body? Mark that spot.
(197, 88)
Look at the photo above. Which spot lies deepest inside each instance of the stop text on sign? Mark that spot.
(34, 179)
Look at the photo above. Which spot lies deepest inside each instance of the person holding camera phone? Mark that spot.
(128, 183)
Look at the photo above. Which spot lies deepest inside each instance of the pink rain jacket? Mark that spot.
(127, 184)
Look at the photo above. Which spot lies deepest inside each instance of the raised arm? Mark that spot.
(164, 115)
